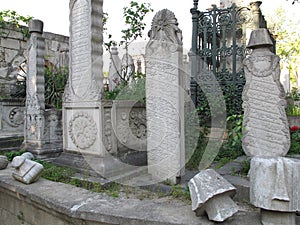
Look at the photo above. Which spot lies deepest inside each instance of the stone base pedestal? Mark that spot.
(109, 167)
(277, 218)
(45, 151)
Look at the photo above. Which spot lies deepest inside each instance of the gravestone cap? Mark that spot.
(260, 38)
(36, 26)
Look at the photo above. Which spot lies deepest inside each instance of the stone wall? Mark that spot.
(13, 55)
(38, 203)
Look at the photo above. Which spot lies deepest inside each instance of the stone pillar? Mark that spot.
(165, 98)
(35, 89)
(82, 113)
(273, 179)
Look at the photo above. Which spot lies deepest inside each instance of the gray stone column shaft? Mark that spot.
(35, 86)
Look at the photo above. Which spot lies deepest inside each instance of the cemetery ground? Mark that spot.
(230, 163)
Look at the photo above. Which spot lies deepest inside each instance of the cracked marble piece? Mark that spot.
(266, 130)
(210, 193)
(274, 183)
(26, 171)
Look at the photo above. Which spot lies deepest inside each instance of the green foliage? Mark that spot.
(134, 15)
(293, 110)
(182, 193)
(293, 94)
(133, 91)
(11, 154)
(206, 102)
(10, 18)
(196, 157)
(287, 36)
(295, 140)
(232, 147)
(245, 167)
(55, 82)
(235, 130)
(56, 173)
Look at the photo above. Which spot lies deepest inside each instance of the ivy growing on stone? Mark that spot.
(11, 19)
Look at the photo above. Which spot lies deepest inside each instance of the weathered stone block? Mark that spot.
(274, 183)
(10, 55)
(10, 43)
(277, 218)
(210, 193)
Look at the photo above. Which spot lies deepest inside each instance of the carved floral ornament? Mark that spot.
(164, 29)
(83, 130)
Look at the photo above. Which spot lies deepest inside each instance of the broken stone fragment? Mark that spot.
(3, 162)
(26, 171)
(211, 193)
(28, 155)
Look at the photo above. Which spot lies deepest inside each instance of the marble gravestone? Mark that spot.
(82, 114)
(266, 130)
(165, 98)
(274, 180)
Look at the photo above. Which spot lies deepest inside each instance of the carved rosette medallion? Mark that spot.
(15, 117)
(83, 130)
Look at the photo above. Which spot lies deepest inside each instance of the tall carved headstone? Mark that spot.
(35, 91)
(82, 113)
(165, 98)
(266, 130)
(273, 178)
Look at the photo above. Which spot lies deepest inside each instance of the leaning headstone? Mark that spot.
(26, 171)
(266, 130)
(35, 89)
(165, 98)
(115, 69)
(210, 194)
(128, 67)
(82, 118)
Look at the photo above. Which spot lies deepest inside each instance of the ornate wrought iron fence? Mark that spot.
(218, 49)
